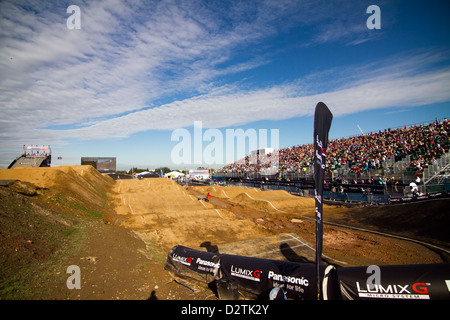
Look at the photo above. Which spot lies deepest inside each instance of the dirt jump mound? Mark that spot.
(72, 187)
(164, 212)
(270, 201)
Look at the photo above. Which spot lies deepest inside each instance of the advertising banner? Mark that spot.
(428, 196)
(199, 265)
(254, 275)
(298, 280)
(322, 124)
(413, 282)
(260, 276)
(199, 175)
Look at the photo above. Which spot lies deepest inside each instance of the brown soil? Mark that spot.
(119, 233)
(347, 247)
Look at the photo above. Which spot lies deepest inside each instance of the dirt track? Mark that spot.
(282, 212)
(157, 214)
(164, 212)
(161, 211)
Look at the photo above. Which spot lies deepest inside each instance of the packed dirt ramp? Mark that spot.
(163, 211)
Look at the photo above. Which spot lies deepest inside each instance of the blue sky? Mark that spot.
(136, 71)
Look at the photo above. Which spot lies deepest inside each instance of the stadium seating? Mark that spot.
(391, 152)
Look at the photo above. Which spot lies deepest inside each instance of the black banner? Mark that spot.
(198, 265)
(260, 276)
(428, 196)
(322, 124)
(412, 282)
(254, 275)
(298, 280)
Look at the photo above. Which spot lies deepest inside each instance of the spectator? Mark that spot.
(361, 153)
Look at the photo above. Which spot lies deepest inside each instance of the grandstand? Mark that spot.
(33, 156)
(391, 158)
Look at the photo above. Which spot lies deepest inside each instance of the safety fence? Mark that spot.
(307, 190)
(349, 193)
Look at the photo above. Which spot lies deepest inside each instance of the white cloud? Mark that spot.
(106, 79)
(118, 62)
(403, 83)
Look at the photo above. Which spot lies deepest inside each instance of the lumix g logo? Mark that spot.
(253, 275)
(184, 260)
(418, 290)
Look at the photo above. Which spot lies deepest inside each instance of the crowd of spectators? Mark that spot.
(425, 144)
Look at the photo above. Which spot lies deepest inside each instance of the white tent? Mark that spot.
(173, 174)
